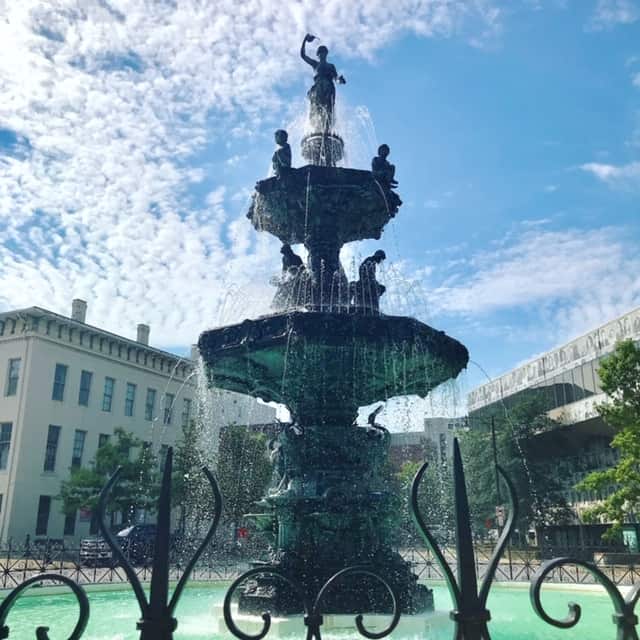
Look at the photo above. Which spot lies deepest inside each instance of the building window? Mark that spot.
(163, 456)
(129, 399)
(186, 412)
(150, 404)
(42, 521)
(103, 439)
(168, 407)
(78, 448)
(70, 524)
(85, 388)
(5, 444)
(59, 379)
(107, 396)
(13, 375)
(51, 451)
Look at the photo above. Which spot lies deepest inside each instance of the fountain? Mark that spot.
(324, 352)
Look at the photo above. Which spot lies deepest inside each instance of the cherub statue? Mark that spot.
(382, 169)
(281, 157)
(367, 291)
(322, 94)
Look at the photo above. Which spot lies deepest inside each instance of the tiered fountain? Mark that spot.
(325, 352)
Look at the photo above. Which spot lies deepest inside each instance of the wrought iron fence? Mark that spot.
(19, 563)
(522, 564)
(462, 570)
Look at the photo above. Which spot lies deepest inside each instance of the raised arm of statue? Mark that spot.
(303, 52)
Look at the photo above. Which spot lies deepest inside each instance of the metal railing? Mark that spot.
(469, 573)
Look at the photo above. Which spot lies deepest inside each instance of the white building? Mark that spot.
(64, 387)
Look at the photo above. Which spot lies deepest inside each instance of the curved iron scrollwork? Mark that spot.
(313, 619)
(470, 614)
(624, 616)
(41, 633)
(157, 621)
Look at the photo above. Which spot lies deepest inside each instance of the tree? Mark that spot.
(620, 380)
(243, 472)
(435, 496)
(538, 491)
(137, 486)
(188, 483)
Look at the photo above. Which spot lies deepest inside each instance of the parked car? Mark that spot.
(95, 552)
(136, 542)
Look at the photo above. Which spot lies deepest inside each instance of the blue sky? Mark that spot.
(130, 141)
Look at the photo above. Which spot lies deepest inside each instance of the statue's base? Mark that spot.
(422, 625)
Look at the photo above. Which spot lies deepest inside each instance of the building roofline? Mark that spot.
(554, 350)
(41, 312)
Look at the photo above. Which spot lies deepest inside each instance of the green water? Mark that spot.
(114, 615)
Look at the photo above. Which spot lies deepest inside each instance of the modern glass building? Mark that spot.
(566, 382)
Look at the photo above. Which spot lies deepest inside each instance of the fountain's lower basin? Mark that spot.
(321, 363)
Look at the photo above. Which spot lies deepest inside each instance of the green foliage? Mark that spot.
(243, 472)
(538, 491)
(620, 380)
(137, 486)
(188, 483)
(435, 498)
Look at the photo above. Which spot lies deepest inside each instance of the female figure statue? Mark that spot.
(322, 94)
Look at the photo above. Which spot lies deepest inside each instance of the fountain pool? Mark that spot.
(114, 614)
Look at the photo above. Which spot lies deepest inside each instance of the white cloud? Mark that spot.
(626, 176)
(610, 13)
(568, 280)
(635, 79)
(111, 100)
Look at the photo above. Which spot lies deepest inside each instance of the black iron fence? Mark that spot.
(469, 573)
(21, 562)
(522, 564)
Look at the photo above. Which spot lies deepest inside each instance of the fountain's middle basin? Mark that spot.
(316, 359)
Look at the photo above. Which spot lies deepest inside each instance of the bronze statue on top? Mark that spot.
(322, 95)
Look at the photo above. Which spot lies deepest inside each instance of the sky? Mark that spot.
(132, 134)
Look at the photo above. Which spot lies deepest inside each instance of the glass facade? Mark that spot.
(107, 396)
(5, 444)
(51, 450)
(59, 380)
(85, 388)
(576, 384)
(13, 375)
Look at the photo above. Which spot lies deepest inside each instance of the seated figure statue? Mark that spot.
(382, 169)
(367, 290)
(282, 156)
(290, 292)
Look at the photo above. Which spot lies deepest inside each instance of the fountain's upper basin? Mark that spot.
(346, 203)
(328, 364)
